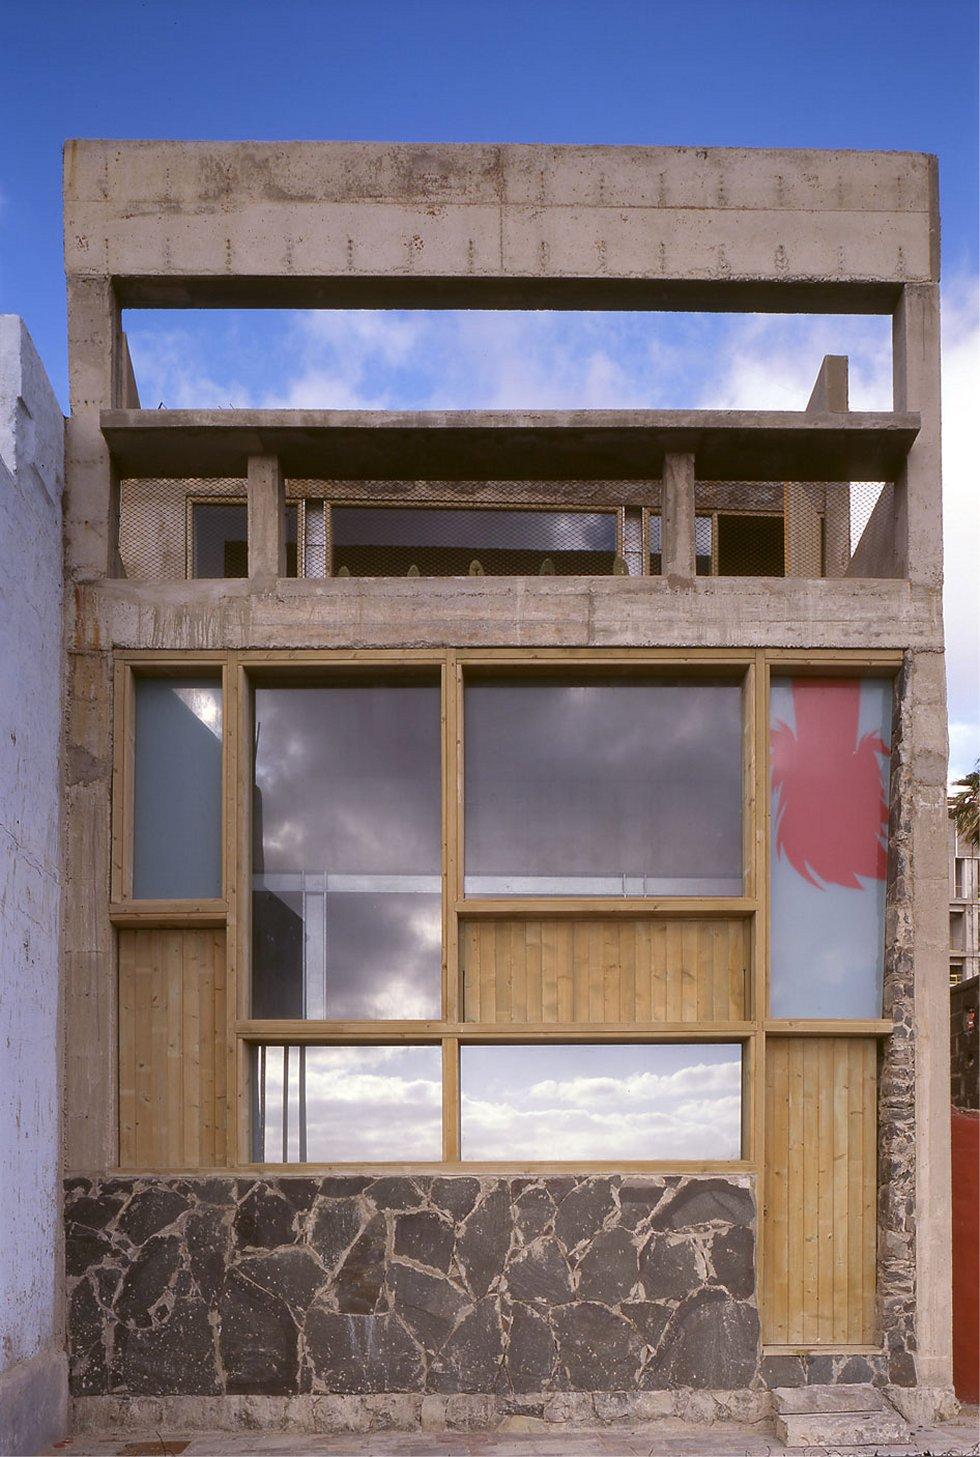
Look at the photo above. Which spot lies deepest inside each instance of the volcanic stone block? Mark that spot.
(362, 1353)
(599, 1350)
(258, 1339)
(426, 1238)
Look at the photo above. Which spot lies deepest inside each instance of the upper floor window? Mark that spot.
(625, 787)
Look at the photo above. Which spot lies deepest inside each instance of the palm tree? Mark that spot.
(965, 806)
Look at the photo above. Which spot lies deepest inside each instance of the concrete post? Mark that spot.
(916, 383)
(930, 932)
(92, 511)
(677, 516)
(266, 521)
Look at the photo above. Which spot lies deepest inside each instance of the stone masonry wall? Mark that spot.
(286, 1285)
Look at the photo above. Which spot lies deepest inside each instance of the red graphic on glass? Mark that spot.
(831, 814)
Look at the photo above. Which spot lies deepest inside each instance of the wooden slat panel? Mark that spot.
(821, 1178)
(593, 971)
(172, 1064)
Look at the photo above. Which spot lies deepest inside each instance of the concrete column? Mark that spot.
(266, 521)
(92, 500)
(930, 933)
(916, 381)
(677, 516)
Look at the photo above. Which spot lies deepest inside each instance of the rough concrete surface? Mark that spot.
(32, 1366)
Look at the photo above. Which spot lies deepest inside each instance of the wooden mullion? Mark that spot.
(450, 1101)
(759, 881)
(123, 736)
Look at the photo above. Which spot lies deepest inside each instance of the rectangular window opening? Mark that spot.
(564, 1101)
(346, 857)
(603, 788)
(362, 1104)
(177, 789)
(503, 359)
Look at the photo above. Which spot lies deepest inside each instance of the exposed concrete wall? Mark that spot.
(315, 224)
(32, 1364)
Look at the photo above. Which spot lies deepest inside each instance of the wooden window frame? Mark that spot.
(238, 670)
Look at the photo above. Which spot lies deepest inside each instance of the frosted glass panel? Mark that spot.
(829, 754)
(603, 788)
(346, 891)
(352, 1104)
(677, 1101)
(177, 803)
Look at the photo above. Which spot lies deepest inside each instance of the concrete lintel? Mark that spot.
(608, 612)
(499, 444)
(539, 212)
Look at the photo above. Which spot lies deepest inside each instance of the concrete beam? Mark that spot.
(505, 445)
(315, 210)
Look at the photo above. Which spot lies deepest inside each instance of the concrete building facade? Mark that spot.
(247, 1241)
(33, 1368)
(964, 906)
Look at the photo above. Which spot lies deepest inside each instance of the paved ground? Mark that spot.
(958, 1438)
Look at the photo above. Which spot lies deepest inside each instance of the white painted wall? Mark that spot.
(31, 481)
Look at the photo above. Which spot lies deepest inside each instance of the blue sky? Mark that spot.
(894, 74)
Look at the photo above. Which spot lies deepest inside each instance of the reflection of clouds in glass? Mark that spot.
(631, 1109)
(604, 779)
(348, 779)
(362, 1104)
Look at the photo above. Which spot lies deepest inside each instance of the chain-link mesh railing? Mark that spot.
(173, 529)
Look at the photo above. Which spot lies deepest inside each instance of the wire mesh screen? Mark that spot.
(198, 527)
(154, 523)
(792, 528)
(384, 541)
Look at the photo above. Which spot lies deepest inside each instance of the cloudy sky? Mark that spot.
(566, 1102)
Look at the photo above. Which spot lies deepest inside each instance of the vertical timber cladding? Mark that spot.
(819, 1224)
(173, 1104)
(595, 971)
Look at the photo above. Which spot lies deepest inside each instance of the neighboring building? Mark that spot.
(505, 930)
(964, 906)
(33, 1370)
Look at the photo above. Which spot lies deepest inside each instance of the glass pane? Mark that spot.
(388, 541)
(346, 907)
(702, 545)
(357, 1104)
(562, 1101)
(606, 787)
(177, 790)
(829, 758)
(220, 539)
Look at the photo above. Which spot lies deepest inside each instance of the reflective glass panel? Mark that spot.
(177, 789)
(562, 1101)
(388, 541)
(346, 903)
(220, 539)
(829, 749)
(623, 787)
(349, 1104)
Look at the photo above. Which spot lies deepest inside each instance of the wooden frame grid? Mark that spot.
(239, 670)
